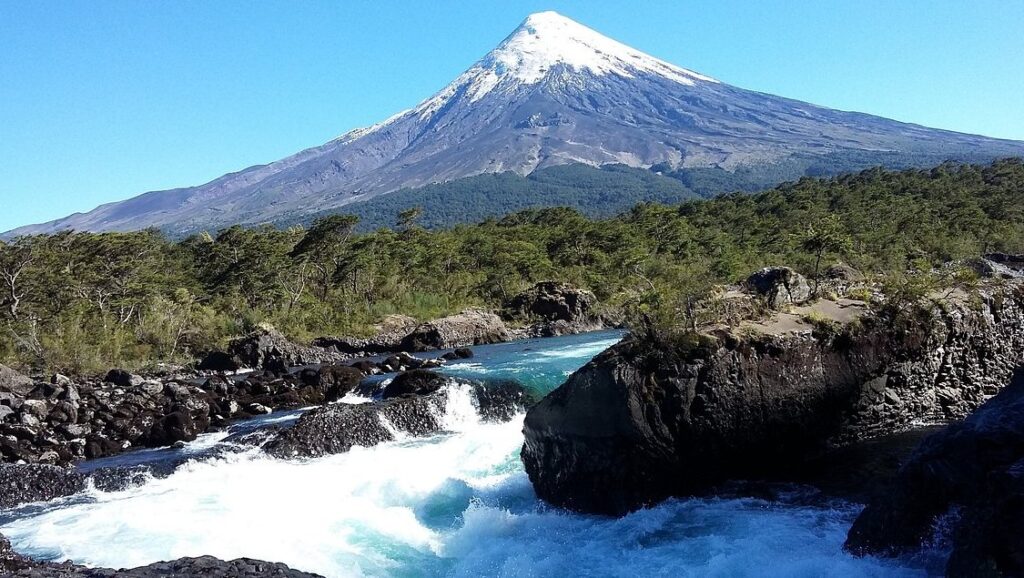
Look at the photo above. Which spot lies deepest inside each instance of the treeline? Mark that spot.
(84, 302)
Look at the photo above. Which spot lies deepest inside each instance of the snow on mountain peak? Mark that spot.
(547, 39)
(544, 41)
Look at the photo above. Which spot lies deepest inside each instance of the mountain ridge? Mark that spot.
(553, 92)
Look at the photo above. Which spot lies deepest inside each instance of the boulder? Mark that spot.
(388, 336)
(458, 353)
(657, 417)
(552, 301)
(15, 383)
(174, 427)
(123, 378)
(975, 467)
(472, 327)
(268, 349)
(12, 564)
(220, 361)
(779, 286)
(25, 483)
(414, 382)
(337, 428)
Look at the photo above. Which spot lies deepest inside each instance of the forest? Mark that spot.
(84, 302)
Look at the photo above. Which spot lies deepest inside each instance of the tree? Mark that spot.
(826, 236)
(407, 218)
(323, 248)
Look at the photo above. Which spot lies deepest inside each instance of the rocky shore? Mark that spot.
(14, 565)
(966, 482)
(652, 418)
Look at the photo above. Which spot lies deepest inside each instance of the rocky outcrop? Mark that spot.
(388, 336)
(998, 265)
(414, 382)
(974, 468)
(418, 409)
(22, 484)
(779, 286)
(266, 348)
(551, 308)
(652, 418)
(337, 428)
(14, 383)
(472, 327)
(62, 423)
(14, 565)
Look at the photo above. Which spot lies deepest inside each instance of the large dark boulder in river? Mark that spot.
(337, 428)
(974, 468)
(24, 483)
(414, 382)
(655, 417)
(15, 383)
(471, 327)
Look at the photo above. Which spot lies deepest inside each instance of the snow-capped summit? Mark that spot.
(547, 39)
(553, 92)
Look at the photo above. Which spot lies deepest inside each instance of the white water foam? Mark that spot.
(454, 504)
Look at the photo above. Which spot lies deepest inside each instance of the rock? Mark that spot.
(5, 413)
(501, 400)
(414, 382)
(174, 427)
(15, 565)
(843, 272)
(779, 286)
(25, 483)
(36, 407)
(15, 383)
(649, 419)
(62, 380)
(220, 361)
(122, 378)
(472, 327)
(552, 301)
(458, 353)
(336, 428)
(258, 409)
(268, 349)
(336, 381)
(387, 339)
(976, 467)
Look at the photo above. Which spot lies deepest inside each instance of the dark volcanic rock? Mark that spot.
(552, 301)
(780, 286)
(337, 428)
(648, 419)
(15, 383)
(501, 400)
(458, 353)
(975, 467)
(220, 361)
(266, 348)
(122, 378)
(414, 382)
(14, 565)
(21, 483)
(470, 327)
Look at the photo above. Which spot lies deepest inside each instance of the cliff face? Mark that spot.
(645, 420)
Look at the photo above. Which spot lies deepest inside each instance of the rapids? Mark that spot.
(453, 504)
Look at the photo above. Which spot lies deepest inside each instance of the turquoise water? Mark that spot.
(454, 504)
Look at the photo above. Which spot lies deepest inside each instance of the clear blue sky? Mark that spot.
(100, 101)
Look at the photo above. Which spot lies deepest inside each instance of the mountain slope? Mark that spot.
(554, 92)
